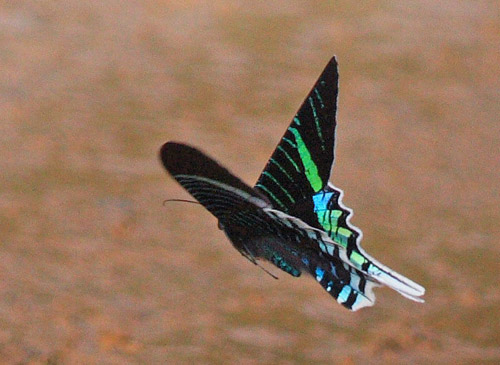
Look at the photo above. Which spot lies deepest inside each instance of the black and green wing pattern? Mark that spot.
(257, 230)
(293, 217)
(301, 163)
(296, 181)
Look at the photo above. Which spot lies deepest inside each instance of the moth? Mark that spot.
(294, 216)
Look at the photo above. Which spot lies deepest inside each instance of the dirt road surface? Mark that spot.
(94, 269)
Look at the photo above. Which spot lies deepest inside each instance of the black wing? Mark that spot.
(238, 207)
(211, 184)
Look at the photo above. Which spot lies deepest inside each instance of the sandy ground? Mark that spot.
(94, 269)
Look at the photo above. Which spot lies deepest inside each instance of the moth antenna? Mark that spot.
(180, 200)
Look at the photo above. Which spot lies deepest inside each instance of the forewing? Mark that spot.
(212, 185)
(301, 163)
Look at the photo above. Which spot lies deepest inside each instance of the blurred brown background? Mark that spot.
(93, 269)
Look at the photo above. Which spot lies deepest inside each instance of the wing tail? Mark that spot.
(395, 281)
(355, 259)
